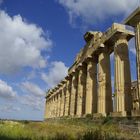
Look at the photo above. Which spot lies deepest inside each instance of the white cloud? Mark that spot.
(9, 108)
(95, 10)
(21, 44)
(56, 73)
(33, 89)
(36, 103)
(6, 91)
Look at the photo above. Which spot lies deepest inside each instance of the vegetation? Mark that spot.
(64, 129)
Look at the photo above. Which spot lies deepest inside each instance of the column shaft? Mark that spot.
(104, 84)
(137, 36)
(91, 87)
(122, 77)
(67, 97)
(73, 95)
(81, 91)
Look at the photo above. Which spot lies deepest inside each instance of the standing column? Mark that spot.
(59, 103)
(46, 109)
(91, 87)
(134, 21)
(63, 100)
(81, 90)
(73, 102)
(68, 95)
(55, 107)
(104, 84)
(138, 60)
(122, 77)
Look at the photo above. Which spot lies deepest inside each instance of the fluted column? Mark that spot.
(68, 96)
(59, 103)
(104, 84)
(137, 30)
(122, 76)
(63, 100)
(46, 109)
(73, 94)
(81, 90)
(55, 106)
(91, 86)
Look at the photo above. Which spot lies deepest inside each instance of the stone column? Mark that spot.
(104, 83)
(68, 96)
(81, 90)
(91, 86)
(49, 114)
(59, 103)
(46, 109)
(73, 102)
(137, 30)
(55, 106)
(63, 100)
(123, 96)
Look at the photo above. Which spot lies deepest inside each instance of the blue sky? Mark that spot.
(39, 41)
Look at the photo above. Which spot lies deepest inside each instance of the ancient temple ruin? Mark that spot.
(87, 88)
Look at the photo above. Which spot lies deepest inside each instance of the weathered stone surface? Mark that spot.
(104, 84)
(123, 98)
(73, 101)
(81, 91)
(88, 91)
(91, 87)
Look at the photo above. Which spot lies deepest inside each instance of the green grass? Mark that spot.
(66, 129)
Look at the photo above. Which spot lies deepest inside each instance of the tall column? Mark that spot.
(63, 100)
(46, 109)
(55, 106)
(91, 87)
(59, 103)
(68, 96)
(122, 76)
(81, 90)
(104, 84)
(134, 21)
(137, 30)
(73, 94)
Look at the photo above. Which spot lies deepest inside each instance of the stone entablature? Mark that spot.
(94, 45)
(87, 88)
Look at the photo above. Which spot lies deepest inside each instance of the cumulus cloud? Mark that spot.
(96, 10)
(56, 73)
(21, 44)
(6, 91)
(33, 89)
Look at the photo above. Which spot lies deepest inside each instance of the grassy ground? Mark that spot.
(66, 129)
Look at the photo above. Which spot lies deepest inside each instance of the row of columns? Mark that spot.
(87, 90)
